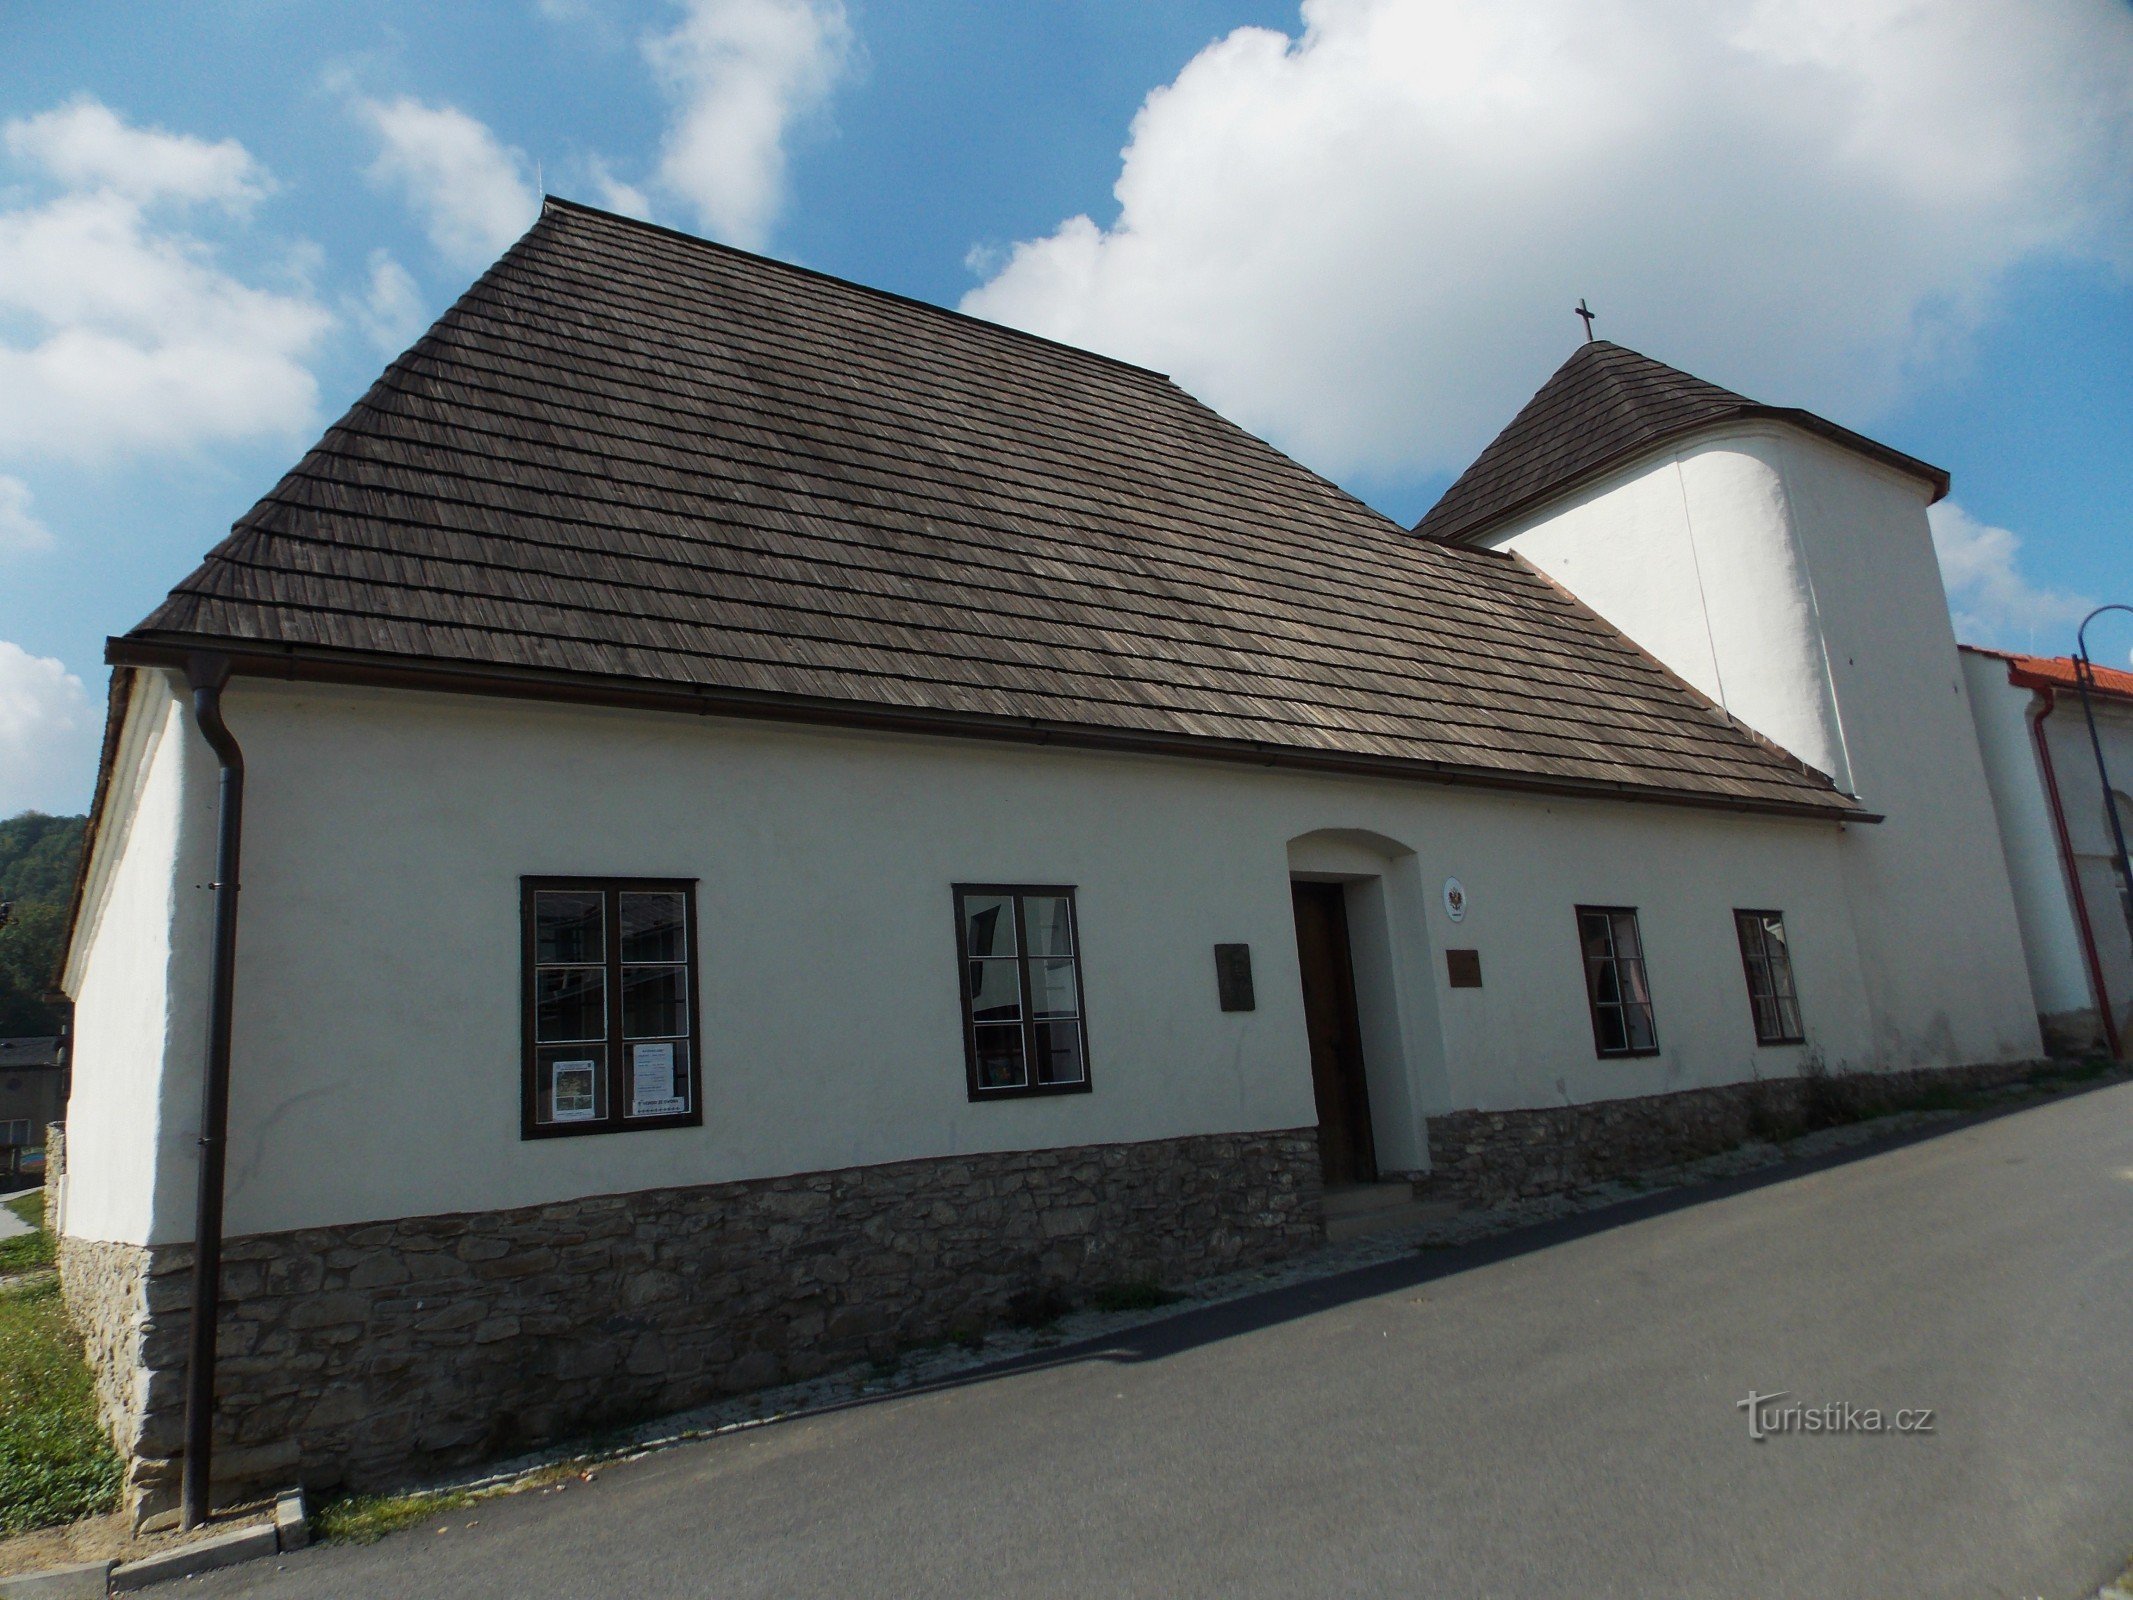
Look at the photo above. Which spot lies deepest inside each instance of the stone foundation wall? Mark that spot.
(370, 1355)
(105, 1287)
(1486, 1157)
(55, 1166)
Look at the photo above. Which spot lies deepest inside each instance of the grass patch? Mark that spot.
(1141, 1295)
(367, 1518)
(55, 1463)
(27, 1252)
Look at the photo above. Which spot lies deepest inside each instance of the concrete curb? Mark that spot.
(92, 1580)
(205, 1555)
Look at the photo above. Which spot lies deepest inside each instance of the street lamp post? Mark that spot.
(2084, 673)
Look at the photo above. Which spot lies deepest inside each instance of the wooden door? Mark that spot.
(1345, 1145)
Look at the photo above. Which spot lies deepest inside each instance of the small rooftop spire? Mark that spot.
(1588, 315)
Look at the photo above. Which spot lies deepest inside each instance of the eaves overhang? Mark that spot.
(310, 663)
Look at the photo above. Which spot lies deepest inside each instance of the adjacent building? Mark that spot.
(32, 1097)
(2041, 763)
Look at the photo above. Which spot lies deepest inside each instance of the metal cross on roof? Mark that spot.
(1588, 315)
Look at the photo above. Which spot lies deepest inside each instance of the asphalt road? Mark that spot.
(1552, 1413)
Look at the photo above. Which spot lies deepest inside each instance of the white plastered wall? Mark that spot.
(136, 971)
(2051, 937)
(376, 1067)
(1795, 583)
(2089, 832)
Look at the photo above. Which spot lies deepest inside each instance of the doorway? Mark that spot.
(1346, 1149)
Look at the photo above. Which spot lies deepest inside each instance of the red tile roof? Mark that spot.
(2058, 672)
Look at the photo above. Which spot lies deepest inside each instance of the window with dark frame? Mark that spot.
(1018, 950)
(1615, 982)
(610, 1008)
(1766, 956)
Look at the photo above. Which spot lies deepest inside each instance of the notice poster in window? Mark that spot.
(570, 1086)
(653, 1091)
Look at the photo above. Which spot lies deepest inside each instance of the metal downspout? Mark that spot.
(207, 674)
(2072, 869)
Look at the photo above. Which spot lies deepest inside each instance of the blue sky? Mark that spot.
(1362, 240)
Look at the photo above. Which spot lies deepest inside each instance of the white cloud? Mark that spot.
(85, 145)
(19, 528)
(475, 195)
(120, 330)
(741, 73)
(1992, 602)
(1366, 240)
(616, 195)
(390, 312)
(49, 734)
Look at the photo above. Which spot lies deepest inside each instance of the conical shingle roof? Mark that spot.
(1605, 406)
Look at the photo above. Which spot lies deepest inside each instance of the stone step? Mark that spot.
(1409, 1213)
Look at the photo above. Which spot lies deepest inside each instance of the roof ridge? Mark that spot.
(720, 247)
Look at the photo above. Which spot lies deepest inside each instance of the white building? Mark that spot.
(2061, 856)
(780, 817)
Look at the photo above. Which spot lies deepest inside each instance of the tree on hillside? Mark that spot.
(38, 855)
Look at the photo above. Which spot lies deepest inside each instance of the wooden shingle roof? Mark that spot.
(634, 466)
(1605, 406)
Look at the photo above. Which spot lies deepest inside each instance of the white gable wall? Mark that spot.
(1795, 583)
(376, 1064)
(137, 971)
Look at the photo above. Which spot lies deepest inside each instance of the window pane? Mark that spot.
(1749, 927)
(1642, 1035)
(1051, 987)
(1614, 1037)
(569, 1003)
(1606, 984)
(1628, 944)
(658, 1084)
(1766, 954)
(1000, 1063)
(1059, 1052)
(988, 925)
(568, 925)
(653, 928)
(1049, 924)
(995, 990)
(1780, 949)
(1592, 929)
(654, 1002)
(570, 1085)
(1758, 978)
(1633, 989)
